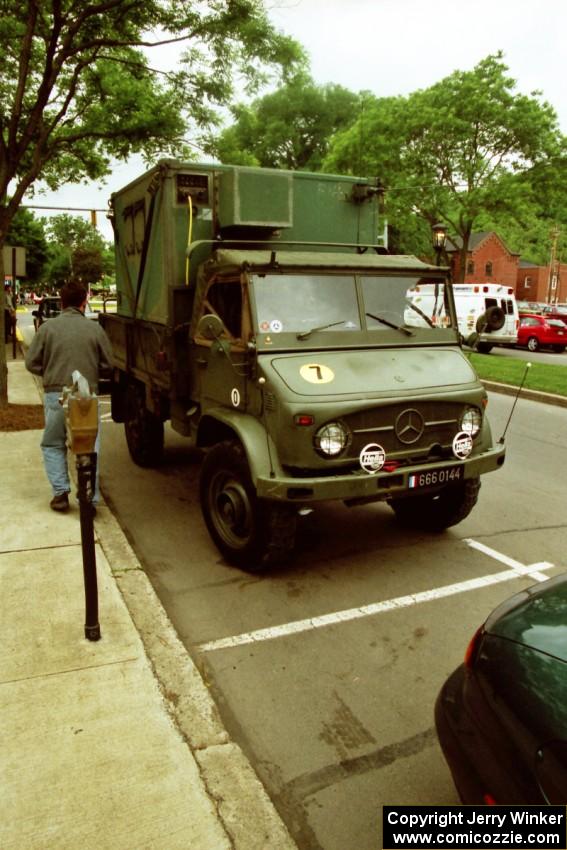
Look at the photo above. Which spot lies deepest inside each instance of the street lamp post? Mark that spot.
(439, 238)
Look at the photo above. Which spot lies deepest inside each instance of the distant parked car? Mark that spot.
(553, 311)
(48, 308)
(539, 331)
(501, 717)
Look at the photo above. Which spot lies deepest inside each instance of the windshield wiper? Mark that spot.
(390, 324)
(422, 314)
(306, 334)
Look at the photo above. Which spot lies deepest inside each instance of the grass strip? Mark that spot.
(544, 377)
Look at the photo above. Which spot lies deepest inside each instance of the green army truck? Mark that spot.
(258, 313)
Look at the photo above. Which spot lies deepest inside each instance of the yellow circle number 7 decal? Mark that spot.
(316, 373)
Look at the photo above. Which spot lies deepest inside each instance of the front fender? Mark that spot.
(260, 449)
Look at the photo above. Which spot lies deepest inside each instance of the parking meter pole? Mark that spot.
(86, 472)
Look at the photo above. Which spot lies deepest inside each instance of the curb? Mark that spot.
(531, 395)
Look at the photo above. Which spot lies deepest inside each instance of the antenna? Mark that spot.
(526, 370)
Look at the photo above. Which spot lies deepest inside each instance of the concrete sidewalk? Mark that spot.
(112, 744)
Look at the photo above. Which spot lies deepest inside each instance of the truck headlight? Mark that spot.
(471, 421)
(331, 439)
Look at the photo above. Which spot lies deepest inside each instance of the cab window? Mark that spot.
(225, 298)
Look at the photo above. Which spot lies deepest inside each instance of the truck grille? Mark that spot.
(405, 430)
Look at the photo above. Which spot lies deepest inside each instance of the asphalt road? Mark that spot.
(337, 718)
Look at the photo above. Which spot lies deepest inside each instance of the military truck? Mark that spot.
(258, 313)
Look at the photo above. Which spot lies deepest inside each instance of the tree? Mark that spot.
(76, 250)
(289, 128)
(452, 150)
(29, 232)
(77, 88)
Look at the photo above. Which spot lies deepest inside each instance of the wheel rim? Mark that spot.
(230, 510)
(532, 344)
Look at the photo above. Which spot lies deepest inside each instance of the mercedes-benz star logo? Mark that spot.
(409, 426)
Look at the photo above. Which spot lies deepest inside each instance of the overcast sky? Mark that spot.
(397, 46)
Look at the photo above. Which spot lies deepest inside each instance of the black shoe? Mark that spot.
(60, 502)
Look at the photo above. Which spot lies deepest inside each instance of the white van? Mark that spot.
(491, 310)
(487, 309)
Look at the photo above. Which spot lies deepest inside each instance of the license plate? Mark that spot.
(435, 477)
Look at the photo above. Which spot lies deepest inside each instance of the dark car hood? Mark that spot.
(536, 617)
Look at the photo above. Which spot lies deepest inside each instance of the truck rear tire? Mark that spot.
(440, 510)
(484, 347)
(251, 533)
(143, 429)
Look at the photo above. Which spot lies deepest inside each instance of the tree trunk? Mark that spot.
(3, 362)
(463, 256)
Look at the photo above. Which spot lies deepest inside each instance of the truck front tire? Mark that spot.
(143, 429)
(251, 533)
(439, 510)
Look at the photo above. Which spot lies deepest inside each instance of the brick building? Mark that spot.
(535, 284)
(488, 260)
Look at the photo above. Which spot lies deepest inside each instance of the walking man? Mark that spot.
(62, 345)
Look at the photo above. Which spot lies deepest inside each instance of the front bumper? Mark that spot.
(362, 486)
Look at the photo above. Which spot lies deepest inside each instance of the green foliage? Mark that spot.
(464, 151)
(77, 87)
(71, 232)
(58, 268)
(76, 250)
(289, 128)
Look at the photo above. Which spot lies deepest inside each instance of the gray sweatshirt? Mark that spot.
(69, 342)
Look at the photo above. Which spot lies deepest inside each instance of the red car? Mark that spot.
(536, 332)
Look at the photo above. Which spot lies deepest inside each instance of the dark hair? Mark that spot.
(73, 294)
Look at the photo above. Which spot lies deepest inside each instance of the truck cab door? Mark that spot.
(221, 352)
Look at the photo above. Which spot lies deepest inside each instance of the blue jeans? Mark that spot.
(54, 447)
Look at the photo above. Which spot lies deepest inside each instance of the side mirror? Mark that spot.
(470, 341)
(210, 326)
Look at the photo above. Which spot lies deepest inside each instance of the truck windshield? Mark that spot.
(306, 303)
(311, 304)
(409, 302)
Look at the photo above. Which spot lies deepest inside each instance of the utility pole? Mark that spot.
(553, 279)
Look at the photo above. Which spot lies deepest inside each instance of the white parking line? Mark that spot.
(510, 562)
(408, 601)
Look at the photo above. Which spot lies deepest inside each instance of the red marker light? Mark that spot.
(304, 419)
(390, 466)
(473, 647)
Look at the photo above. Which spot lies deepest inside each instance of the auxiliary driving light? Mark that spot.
(471, 421)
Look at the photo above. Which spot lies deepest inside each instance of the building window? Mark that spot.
(470, 267)
(488, 269)
(527, 282)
